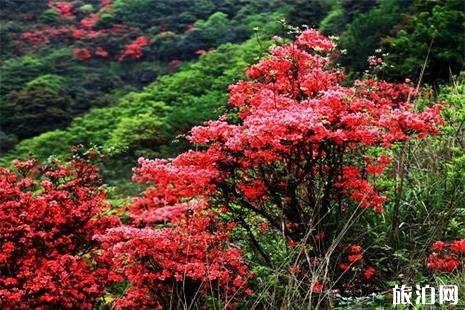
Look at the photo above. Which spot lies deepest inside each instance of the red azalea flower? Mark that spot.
(369, 272)
(439, 245)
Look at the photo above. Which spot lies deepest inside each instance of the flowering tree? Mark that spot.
(48, 216)
(299, 150)
(176, 249)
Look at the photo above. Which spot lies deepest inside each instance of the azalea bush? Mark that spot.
(298, 154)
(272, 207)
(76, 23)
(48, 216)
(175, 250)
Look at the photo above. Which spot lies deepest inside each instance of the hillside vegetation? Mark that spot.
(241, 154)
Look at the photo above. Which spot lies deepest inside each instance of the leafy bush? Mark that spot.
(432, 38)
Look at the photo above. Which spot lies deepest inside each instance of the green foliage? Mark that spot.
(171, 15)
(53, 82)
(334, 22)
(43, 93)
(176, 29)
(50, 17)
(206, 34)
(310, 13)
(363, 35)
(353, 8)
(13, 8)
(340, 14)
(150, 122)
(426, 196)
(141, 132)
(7, 28)
(35, 109)
(433, 37)
(7, 141)
(18, 71)
(216, 29)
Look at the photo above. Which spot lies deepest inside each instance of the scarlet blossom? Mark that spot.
(101, 52)
(355, 249)
(442, 263)
(49, 214)
(253, 191)
(201, 52)
(295, 269)
(369, 272)
(263, 228)
(313, 39)
(317, 287)
(174, 236)
(63, 8)
(374, 61)
(439, 245)
(104, 3)
(284, 154)
(320, 235)
(458, 246)
(82, 27)
(90, 21)
(82, 53)
(173, 64)
(79, 34)
(355, 258)
(344, 266)
(292, 243)
(448, 257)
(134, 49)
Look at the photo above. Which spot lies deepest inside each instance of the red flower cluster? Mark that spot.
(353, 268)
(48, 216)
(174, 64)
(65, 9)
(369, 272)
(101, 52)
(82, 27)
(446, 257)
(134, 49)
(311, 38)
(355, 255)
(176, 245)
(374, 61)
(294, 112)
(458, 247)
(82, 53)
(90, 21)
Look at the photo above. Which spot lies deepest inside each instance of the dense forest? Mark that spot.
(207, 154)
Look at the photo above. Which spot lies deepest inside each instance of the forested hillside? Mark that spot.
(179, 154)
(59, 59)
